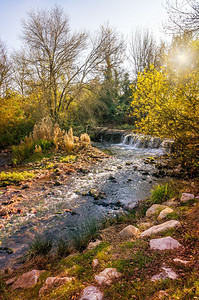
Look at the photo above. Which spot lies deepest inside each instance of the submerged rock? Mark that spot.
(161, 228)
(107, 276)
(91, 293)
(165, 243)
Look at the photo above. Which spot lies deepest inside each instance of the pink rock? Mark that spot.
(161, 228)
(166, 273)
(95, 263)
(186, 197)
(107, 276)
(165, 243)
(11, 280)
(27, 280)
(180, 261)
(52, 281)
(94, 244)
(129, 232)
(91, 293)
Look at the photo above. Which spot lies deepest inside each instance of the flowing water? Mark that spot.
(122, 180)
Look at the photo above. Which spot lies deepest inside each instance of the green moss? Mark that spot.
(7, 178)
(68, 158)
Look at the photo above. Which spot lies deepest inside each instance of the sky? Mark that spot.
(125, 15)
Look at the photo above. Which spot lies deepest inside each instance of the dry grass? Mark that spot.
(85, 139)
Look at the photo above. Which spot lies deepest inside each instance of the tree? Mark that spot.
(183, 16)
(144, 51)
(52, 54)
(4, 69)
(166, 103)
(112, 52)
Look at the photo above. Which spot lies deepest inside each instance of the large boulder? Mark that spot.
(166, 273)
(165, 243)
(172, 224)
(91, 293)
(107, 276)
(164, 213)
(154, 210)
(27, 280)
(53, 281)
(129, 232)
(186, 197)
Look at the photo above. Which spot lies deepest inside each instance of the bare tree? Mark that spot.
(183, 16)
(4, 69)
(62, 63)
(52, 53)
(143, 51)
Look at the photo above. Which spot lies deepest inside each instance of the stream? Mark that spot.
(120, 180)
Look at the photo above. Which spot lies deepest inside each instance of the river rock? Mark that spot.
(164, 213)
(107, 276)
(186, 197)
(11, 280)
(91, 293)
(95, 263)
(27, 280)
(161, 228)
(93, 245)
(52, 281)
(129, 232)
(171, 202)
(166, 273)
(180, 261)
(165, 243)
(155, 209)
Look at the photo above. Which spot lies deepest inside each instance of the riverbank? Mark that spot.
(130, 258)
(135, 268)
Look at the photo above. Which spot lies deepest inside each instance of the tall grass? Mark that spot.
(46, 136)
(40, 246)
(161, 193)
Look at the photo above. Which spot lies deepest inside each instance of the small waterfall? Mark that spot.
(146, 141)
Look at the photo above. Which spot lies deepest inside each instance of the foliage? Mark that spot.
(14, 125)
(161, 193)
(68, 158)
(166, 104)
(45, 137)
(14, 177)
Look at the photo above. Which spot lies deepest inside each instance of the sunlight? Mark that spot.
(182, 59)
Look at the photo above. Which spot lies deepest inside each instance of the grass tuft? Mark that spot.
(41, 246)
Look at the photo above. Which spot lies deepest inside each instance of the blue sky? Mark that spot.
(125, 15)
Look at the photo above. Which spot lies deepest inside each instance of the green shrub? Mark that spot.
(27, 148)
(161, 193)
(14, 177)
(44, 144)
